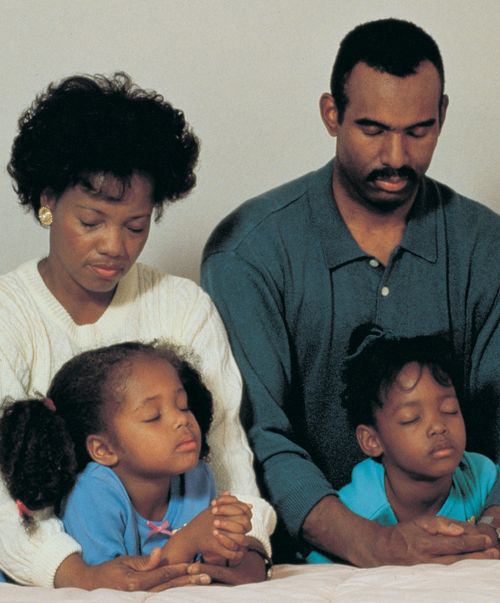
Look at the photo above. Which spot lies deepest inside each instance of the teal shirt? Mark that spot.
(365, 494)
(471, 483)
(291, 284)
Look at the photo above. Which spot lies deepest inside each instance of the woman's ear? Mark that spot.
(101, 450)
(329, 114)
(48, 199)
(369, 441)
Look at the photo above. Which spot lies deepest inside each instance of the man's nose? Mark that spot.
(394, 151)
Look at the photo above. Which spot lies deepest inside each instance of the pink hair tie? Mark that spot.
(22, 509)
(48, 403)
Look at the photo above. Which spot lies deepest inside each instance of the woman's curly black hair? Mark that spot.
(375, 359)
(88, 125)
(41, 451)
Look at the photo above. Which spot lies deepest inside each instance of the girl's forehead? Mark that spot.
(409, 376)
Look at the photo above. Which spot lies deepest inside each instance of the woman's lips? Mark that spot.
(107, 272)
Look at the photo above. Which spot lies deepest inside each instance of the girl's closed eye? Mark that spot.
(151, 419)
(409, 420)
(450, 409)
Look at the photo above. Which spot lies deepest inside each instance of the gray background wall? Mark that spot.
(248, 74)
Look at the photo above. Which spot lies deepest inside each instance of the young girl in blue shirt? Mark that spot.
(402, 400)
(117, 448)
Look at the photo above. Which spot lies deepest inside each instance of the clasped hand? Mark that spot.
(217, 534)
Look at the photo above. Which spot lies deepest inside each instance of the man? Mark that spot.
(366, 238)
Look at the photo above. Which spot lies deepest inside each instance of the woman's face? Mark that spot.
(94, 240)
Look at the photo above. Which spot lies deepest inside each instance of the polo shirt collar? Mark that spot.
(420, 236)
(338, 244)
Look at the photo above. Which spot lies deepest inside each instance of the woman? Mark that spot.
(94, 159)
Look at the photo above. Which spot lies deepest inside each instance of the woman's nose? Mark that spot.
(112, 243)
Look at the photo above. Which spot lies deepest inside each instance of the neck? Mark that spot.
(84, 307)
(149, 496)
(410, 497)
(378, 232)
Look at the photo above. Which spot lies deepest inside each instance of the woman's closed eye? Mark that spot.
(88, 224)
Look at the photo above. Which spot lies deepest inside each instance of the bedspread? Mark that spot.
(464, 582)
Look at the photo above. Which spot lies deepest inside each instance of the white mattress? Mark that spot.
(464, 582)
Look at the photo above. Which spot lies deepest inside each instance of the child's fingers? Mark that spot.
(154, 559)
(239, 524)
(228, 548)
(231, 540)
(238, 508)
(226, 498)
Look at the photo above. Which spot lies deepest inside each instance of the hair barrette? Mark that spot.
(49, 403)
(22, 509)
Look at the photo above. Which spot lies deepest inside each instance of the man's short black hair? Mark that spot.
(388, 45)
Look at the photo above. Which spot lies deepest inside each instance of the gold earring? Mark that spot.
(45, 216)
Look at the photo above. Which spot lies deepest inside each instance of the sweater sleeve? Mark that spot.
(30, 559)
(251, 307)
(230, 456)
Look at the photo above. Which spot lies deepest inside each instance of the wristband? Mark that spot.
(268, 564)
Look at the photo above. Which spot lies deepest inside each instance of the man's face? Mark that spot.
(387, 136)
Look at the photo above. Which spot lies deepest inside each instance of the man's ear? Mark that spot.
(329, 113)
(101, 450)
(368, 440)
(445, 101)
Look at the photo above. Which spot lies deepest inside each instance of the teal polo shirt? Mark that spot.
(291, 284)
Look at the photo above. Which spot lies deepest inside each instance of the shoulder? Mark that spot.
(365, 494)
(15, 286)
(99, 484)
(465, 217)
(476, 466)
(367, 476)
(170, 294)
(152, 280)
(253, 215)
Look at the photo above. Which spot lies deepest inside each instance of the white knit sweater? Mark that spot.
(37, 336)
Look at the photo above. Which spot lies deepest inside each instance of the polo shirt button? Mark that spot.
(385, 291)
(374, 263)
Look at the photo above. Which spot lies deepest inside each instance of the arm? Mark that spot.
(30, 560)
(330, 526)
(251, 305)
(230, 456)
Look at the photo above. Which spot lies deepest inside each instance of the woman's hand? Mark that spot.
(127, 573)
(251, 568)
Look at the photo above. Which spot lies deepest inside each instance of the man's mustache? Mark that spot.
(386, 173)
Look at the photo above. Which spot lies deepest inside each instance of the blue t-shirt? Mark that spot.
(98, 512)
(365, 495)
